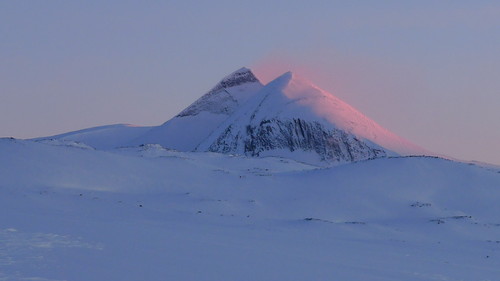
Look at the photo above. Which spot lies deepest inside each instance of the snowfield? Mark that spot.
(71, 212)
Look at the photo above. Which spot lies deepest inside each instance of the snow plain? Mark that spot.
(71, 212)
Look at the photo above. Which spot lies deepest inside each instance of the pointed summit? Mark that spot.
(282, 81)
(290, 117)
(240, 76)
(285, 77)
(228, 94)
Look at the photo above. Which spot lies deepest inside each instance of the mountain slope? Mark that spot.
(192, 125)
(102, 137)
(292, 118)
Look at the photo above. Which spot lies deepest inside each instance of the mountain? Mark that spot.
(290, 117)
(193, 124)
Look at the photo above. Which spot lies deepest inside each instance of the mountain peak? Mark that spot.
(238, 77)
(290, 77)
(241, 70)
(224, 97)
(283, 79)
(293, 86)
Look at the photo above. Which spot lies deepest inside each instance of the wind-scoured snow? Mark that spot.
(150, 213)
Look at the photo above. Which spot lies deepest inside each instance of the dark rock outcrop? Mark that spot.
(330, 145)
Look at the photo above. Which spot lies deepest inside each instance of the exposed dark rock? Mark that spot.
(295, 134)
(218, 100)
(420, 204)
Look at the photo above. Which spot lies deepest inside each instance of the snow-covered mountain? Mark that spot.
(193, 124)
(289, 117)
(292, 118)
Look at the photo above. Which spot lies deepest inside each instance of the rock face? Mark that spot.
(195, 123)
(292, 118)
(295, 135)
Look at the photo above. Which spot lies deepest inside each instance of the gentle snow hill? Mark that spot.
(64, 164)
(103, 137)
(290, 117)
(149, 213)
(192, 125)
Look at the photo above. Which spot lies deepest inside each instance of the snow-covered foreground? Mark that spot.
(69, 212)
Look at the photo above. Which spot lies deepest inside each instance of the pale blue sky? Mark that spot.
(427, 70)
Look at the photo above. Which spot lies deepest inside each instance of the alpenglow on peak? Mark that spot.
(292, 118)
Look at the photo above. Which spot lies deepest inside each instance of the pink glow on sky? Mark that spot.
(270, 67)
(327, 75)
